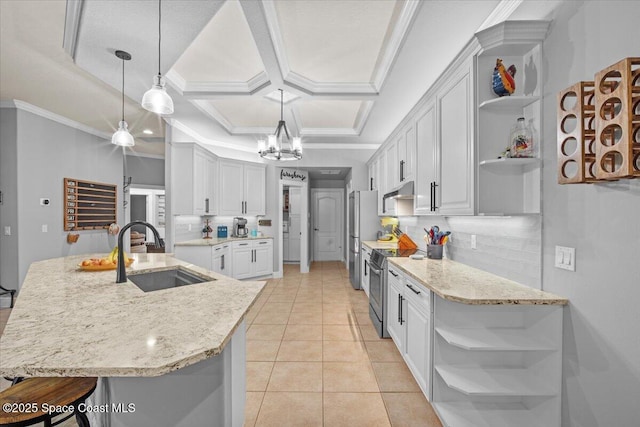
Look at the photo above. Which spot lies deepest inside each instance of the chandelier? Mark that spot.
(273, 149)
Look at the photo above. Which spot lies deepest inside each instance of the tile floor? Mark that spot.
(313, 358)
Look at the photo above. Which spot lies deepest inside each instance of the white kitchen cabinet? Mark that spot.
(406, 153)
(252, 258)
(391, 174)
(365, 254)
(221, 260)
(242, 188)
(193, 181)
(409, 325)
(196, 255)
(427, 154)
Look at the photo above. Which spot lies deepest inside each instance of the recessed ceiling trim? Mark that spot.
(175, 80)
(319, 88)
(205, 90)
(394, 44)
(325, 146)
(210, 110)
(502, 11)
(363, 115)
(271, 18)
(25, 106)
(199, 138)
(360, 121)
(72, 18)
(328, 132)
(246, 130)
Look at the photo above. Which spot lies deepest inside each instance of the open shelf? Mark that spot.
(508, 103)
(515, 161)
(494, 339)
(479, 381)
(469, 414)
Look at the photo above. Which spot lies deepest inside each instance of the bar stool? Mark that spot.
(37, 392)
(4, 291)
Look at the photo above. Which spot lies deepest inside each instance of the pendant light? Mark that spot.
(273, 149)
(122, 137)
(156, 99)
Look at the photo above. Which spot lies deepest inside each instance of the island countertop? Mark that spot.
(68, 322)
(461, 283)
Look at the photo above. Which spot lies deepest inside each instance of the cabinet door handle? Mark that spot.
(393, 273)
(401, 299)
(435, 207)
(366, 264)
(415, 291)
(399, 309)
(222, 263)
(431, 196)
(371, 185)
(401, 170)
(206, 205)
(262, 243)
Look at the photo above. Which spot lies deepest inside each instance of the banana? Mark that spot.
(114, 254)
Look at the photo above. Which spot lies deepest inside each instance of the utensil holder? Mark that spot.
(434, 251)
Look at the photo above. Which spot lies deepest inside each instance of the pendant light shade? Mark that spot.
(122, 137)
(156, 99)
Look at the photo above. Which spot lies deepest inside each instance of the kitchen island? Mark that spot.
(177, 355)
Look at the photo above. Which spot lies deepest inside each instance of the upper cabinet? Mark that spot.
(509, 186)
(406, 153)
(193, 180)
(242, 188)
(392, 169)
(427, 155)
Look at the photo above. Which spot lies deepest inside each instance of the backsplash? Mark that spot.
(509, 247)
(182, 223)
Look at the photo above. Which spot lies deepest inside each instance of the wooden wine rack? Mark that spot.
(576, 166)
(89, 205)
(618, 120)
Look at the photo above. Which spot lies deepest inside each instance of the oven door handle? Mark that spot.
(375, 270)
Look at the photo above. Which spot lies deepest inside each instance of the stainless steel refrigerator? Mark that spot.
(363, 225)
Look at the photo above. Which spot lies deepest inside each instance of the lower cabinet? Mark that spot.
(409, 325)
(365, 254)
(196, 255)
(252, 258)
(221, 262)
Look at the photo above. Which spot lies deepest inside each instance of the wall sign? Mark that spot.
(89, 205)
(294, 175)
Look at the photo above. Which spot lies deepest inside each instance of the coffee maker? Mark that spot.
(240, 227)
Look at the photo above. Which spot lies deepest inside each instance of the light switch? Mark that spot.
(565, 258)
(7, 230)
(473, 241)
(45, 228)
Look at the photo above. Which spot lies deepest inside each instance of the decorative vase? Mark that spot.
(521, 140)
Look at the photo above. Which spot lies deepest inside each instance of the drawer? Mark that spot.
(262, 243)
(418, 295)
(395, 276)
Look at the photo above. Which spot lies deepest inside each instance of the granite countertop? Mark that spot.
(374, 244)
(216, 241)
(68, 322)
(458, 282)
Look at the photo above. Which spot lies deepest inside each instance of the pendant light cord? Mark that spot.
(159, 33)
(123, 89)
(281, 104)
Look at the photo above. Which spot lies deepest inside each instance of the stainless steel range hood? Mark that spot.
(405, 191)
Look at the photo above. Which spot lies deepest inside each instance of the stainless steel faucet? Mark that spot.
(122, 272)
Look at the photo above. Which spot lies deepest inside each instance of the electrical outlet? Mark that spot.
(474, 242)
(565, 258)
(189, 227)
(45, 228)
(7, 230)
(45, 202)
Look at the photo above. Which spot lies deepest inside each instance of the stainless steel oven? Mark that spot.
(378, 286)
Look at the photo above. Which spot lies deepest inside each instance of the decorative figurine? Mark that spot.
(207, 229)
(503, 82)
(521, 140)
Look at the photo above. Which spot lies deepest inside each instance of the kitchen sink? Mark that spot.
(165, 279)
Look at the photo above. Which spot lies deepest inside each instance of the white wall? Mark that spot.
(9, 207)
(601, 381)
(145, 170)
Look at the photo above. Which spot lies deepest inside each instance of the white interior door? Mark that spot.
(327, 217)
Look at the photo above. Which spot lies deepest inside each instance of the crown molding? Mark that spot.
(201, 139)
(400, 31)
(501, 12)
(133, 153)
(521, 35)
(326, 146)
(329, 88)
(363, 115)
(72, 18)
(175, 80)
(271, 17)
(211, 111)
(25, 106)
(205, 90)
(248, 130)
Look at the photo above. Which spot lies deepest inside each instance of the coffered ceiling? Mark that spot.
(350, 70)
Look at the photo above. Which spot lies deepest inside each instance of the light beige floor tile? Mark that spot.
(355, 410)
(300, 351)
(362, 317)
(410, 410)
(344, 351)
(383, 351)
(284, 297)
(262, 351)
(303, 333)
(338, 317)
(306, 307)
(311, 318)
(251, 407)
(349, 377)
(266, 332)
(296, 376)
(369, 333)
(341, 333)
(394, 376)
(290, 410)
(277, 307)
(272, 318)
(258, 374)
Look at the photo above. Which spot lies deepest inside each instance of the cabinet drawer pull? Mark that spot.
(243, 244)
(393, 273)
(262, 243)
(415, 291)
(206, 203)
